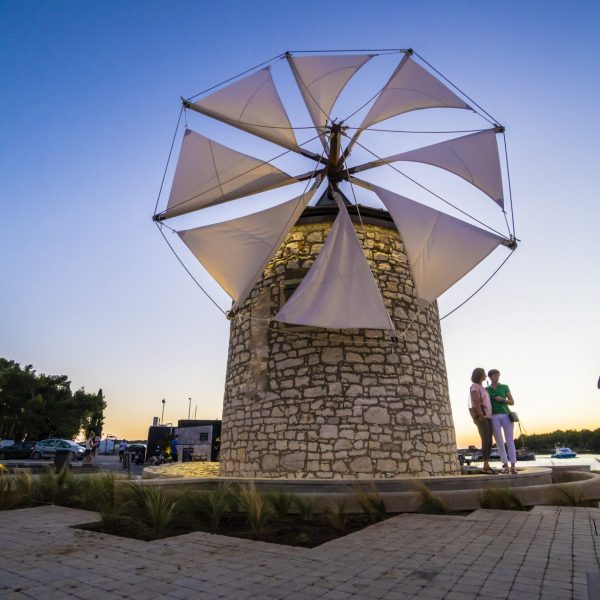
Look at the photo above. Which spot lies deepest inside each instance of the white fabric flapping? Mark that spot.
(441, 249)
(472, 157)
(339, 291)
(209, 173)
(236, 252)
(321, 80)
(251, 104)
(410, 87)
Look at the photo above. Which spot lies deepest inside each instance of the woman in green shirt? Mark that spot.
(502, 426)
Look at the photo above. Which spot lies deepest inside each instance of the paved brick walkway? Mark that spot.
(546, 553)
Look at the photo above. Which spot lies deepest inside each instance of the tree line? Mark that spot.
(586, 440)
(35, 407)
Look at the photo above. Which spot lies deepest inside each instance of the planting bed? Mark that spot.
(292, 531)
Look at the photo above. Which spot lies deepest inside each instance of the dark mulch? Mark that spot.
(290, 532)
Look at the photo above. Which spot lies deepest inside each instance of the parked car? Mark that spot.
(47, 449)
(139, 453)
(17, 450)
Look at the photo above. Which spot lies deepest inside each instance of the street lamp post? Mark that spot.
(162, 416)
(189, 408)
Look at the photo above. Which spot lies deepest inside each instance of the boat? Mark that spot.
(471, 454)
(525, 454)
(474, 455)
(563, 452)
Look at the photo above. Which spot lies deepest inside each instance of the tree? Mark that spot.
(40, 406)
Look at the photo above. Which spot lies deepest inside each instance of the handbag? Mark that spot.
(473, 411)
(513, 416)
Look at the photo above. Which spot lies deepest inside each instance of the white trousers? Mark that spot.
(502, 424)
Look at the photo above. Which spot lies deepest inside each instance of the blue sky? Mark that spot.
(89, 103)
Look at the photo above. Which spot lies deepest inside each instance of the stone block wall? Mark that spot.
(306, 402)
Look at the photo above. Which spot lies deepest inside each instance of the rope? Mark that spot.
(431, 191)
(372, 97)
(403, 334)
(512, 209)
(266, 62)
(298, 77)
(186, 269)
(479, 288)
(414, 131)
(492, 122)
(382, 50)
(168, 160)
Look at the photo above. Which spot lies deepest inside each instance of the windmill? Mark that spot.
(340, 299)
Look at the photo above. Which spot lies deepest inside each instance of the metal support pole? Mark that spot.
(189, 408)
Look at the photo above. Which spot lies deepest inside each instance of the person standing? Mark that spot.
(480, 408)
(89, 447)
(174, 452)
(122, 447)
(502, 426)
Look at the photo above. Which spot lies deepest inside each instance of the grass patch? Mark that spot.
(499, 498)
(563, 495)
(430, 504)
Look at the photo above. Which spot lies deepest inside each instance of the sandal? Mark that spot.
(505, 471)
(489, 472)
(513, 470)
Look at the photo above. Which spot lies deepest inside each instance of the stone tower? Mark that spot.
(304, 402)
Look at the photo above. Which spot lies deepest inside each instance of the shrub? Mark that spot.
(499, 498)
(336, 515)
(563, 495)
(307, 508)
(151, 508)
(257, 510)
(430, 504)
(372, 504)
(62, 488)
(197, 508)
(280, 502)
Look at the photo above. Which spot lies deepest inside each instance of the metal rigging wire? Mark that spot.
(160, 226)
(430, 191)
(486, 116)
(479, 288)
(262, 64)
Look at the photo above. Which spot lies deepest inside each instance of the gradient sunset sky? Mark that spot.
(89, 104)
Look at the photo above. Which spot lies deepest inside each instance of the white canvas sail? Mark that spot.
(321, 79)
(339, 291)
(473, 157)
(209, 173)
(410, 87)
(441, 249)
(251, 104)
(236, 252)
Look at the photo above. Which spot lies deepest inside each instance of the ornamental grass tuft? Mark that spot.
(372, 504)
(563, 495)
(281, 502)
(257, 510)
(430, 504)
(499, 498)
(336, 515)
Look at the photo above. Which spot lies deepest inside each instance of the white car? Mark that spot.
(47, 449)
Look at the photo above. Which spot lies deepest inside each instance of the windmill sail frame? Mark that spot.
(209, 173)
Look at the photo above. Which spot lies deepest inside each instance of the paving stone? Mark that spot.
(490, 554)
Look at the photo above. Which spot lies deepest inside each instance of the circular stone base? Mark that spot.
(532, 485)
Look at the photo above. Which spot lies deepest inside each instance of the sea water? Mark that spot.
(546, 460)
